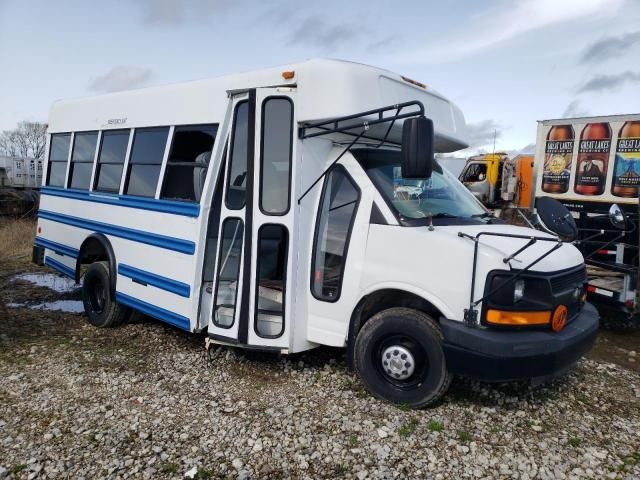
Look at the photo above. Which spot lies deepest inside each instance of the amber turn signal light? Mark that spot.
(288, 75)
(502, 317)
(559, 318)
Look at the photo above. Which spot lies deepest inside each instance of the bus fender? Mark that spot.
(97, 247)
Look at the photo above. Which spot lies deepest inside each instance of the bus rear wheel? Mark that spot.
(98, 299)
(398, 355)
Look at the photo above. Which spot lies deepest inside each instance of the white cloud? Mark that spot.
(121, 77)
(602, 83)
(574, 109)
(178, 12)
(495, 28)
(610, 47)
(483, 133)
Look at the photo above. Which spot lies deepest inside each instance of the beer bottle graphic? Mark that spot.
(626, 171)
(557, 159)
(593, 156)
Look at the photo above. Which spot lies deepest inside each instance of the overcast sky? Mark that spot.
(506, 63)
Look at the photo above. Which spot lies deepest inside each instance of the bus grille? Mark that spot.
(569, 281)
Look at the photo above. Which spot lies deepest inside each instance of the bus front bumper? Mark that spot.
(501, 355)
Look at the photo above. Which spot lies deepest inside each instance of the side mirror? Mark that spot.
(555, 218)
(417, 148)
(617, 217)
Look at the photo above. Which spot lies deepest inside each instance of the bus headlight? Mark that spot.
(528, 292)
(518, 290)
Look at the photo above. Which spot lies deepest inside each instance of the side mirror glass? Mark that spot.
(555, 218)
(617, 217)
(417, 148)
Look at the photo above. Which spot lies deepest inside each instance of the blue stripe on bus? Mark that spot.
(165, 206)
(154, 311)
(149, 278)
(58, 248)
(61, 267)
(162, 241)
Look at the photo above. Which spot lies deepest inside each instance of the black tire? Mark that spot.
(415, 332)
(99, 302)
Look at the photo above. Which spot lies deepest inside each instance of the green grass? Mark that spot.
(353, 441)
(574, 442)
(340, 470)
(17, 469)
(435, 426)
(408, 428)
(464, 436)
(170, 468)
(203, 474)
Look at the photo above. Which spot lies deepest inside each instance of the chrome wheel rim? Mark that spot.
(397, 362)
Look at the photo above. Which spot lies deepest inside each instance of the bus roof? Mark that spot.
(325, 89)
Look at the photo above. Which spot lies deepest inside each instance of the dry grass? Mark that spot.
(16, 239)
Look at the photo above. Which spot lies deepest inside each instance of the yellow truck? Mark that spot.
(499, 181)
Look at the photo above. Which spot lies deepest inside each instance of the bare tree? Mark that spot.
(27, 140)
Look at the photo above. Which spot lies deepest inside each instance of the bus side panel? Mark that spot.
(156, 251)
(328, 322)
(313, 158)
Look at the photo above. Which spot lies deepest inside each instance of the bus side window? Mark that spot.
(188, 162)
(273, 249)
(276, 146)
(58, 156)
(338, 206)
(237, 180)
(84, 150)
(113, 150)
(147, 153)
(229, 260)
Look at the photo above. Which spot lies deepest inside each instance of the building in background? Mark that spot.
(20, 172)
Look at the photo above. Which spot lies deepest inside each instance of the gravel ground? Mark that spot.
(143, 401)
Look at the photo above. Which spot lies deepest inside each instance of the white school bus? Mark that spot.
(301, 206)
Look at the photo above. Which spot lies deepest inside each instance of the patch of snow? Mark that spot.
(55, 282)
(71, 306)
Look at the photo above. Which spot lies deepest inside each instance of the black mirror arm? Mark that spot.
(600, 247)
(517, 275)
(386, 135)
(346, 149)
(520, 250)
(471, 314)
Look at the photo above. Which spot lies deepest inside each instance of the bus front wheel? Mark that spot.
(398, 355)
(99, 302)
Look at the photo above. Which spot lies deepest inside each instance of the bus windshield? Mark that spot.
(440, 196)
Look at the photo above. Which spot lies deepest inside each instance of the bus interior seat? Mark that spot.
(200, 173)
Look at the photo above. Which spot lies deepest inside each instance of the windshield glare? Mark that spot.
(442, 195)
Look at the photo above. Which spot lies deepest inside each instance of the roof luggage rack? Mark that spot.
(359, 120)
(327, 127)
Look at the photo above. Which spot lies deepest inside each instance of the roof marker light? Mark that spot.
(413, 82)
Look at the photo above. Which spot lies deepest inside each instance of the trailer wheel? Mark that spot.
(398, 355)
(99, 304)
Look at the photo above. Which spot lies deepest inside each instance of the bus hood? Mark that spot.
(567, 256)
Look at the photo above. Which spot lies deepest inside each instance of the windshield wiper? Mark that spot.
(489, 216)
(443, 215)
(483, 215)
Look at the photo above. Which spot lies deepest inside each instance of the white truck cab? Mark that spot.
(301, 206)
